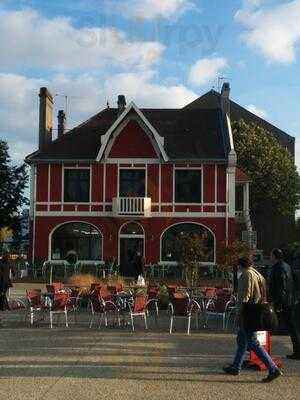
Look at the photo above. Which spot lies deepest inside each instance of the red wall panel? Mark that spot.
(153, 182)
(97, 183)
(132, 142)
(55, 183)
(111, 182)
(42, 183)
(167, 183)
(209, 183)
(109, 227)
(221, 184)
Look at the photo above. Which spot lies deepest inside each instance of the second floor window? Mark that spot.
(132, 183)
(77, 186)
(187, 186)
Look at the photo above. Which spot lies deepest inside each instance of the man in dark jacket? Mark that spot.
(283, 296)
(5, 281)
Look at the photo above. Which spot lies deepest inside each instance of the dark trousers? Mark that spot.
(289, 317)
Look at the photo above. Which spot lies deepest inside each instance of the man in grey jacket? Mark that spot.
(250, 287)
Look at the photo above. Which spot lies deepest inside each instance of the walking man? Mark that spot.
(283, 295)
(251, 289)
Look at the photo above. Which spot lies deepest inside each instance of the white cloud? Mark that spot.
(87, 95)
(153, 9)
(29, 39)
(145, 93)
(274, 32)
(257, 111)
(206, 70)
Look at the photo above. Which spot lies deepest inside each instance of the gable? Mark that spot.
(132, 142)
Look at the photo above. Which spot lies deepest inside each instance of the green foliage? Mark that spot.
(298, 228)
(13, 182)
(292, 253)
(229, 255)
(190, 251)
(275, 182)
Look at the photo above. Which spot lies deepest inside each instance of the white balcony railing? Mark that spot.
(132, 206)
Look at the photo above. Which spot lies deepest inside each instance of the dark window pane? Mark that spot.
(188, 186)
(172, 234)
(239, 198)
(77, 185)
(82, 238)
(132, 183)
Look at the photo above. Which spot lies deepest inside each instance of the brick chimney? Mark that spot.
(45, 125)
(225, 98)
(121, 103)
(61, 126)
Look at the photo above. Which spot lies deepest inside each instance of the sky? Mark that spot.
(158, 53)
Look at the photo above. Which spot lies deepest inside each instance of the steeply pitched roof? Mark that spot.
(188, 134)
(211, 99)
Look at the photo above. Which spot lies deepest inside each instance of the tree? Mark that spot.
(190, 251)
(298, 228)
(275, 182)
(13, 182)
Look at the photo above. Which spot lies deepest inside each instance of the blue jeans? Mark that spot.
(248, 341)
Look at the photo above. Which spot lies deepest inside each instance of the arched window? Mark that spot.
(131, 228)
(170, 236)
(80, 237)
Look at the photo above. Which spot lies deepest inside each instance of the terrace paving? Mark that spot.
(112, 363)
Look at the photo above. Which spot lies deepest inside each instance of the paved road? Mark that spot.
(111, 363)
(82, 363)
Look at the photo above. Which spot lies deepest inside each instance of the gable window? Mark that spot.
(77, 185)
(187, 186)
(132, 183)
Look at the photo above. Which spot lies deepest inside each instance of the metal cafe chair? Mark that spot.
(152, 294)
(36, 306)
(220, 307)
(138, 309)
(182, 306)
(60, 303)
(102, 306)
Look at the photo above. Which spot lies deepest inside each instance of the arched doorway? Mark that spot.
(131, 242)
(81, 237)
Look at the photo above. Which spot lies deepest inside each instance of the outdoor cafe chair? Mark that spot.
(183, 307)
(102, 307)
(54, 287)
(220, 307)
(60, 303)
(152, 293)
(138, 309)
(36, 306)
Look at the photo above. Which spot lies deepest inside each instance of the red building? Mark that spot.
(132, 179)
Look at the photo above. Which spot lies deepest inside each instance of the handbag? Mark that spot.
(259, 316)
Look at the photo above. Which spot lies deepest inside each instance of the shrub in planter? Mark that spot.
(163, 297)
